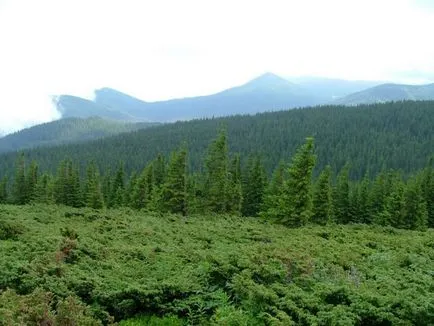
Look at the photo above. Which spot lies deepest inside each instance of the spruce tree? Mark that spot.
(393, 213)
(273, 192)
(32, 181)
(217, 174)
(415, 208)
(341, 197)
(295, 204)
(3, 190)
(93, 192)
(235, 193)
(117, 191)
(174, 189)
(253, 187)
(20, 194)
(322, 198)
(143, 188)
(428, 190)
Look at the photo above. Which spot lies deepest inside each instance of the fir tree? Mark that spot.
(253, 187)
(273, 192)
(3, 190)
(20, 194)
(415, 208)
(235, 193)
(117, 191)
(295, 204)
(341, 197)
(217, 176)
(174, 189)
(322, 198)
(32, 181)
(93, 192)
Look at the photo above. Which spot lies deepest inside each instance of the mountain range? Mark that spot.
(119, 112)
(267, 92)
(389, 92)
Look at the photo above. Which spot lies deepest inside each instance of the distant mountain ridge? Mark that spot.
(267, 92)
(389, 92)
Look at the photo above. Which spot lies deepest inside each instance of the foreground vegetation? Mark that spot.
(61, 265)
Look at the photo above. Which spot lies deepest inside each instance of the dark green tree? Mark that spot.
(174, 189)
(415, 208)
(117, 191)
(428, 190)
(32, 181)
(322, 198)
(295, 204)
(20, 194)
(273, 192)
(217, 174)
(341, 196)
(235, 192)
(3, 190)
(254, 185)
(93, 191)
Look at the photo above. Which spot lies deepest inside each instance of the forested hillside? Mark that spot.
(70, 130)
(368, 137)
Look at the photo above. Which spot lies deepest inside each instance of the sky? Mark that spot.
(157, 50)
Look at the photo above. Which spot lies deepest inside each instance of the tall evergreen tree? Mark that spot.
(32, 180)
(93, 191)
(341, 196)
(217, 174)
(174, 189)
(273, 192)
(143, 188)
(415, 208)
(20, 194)
(428, 190)
(235, 193)
(254, 185)
(3, 190)
(117, 191)
(295, 204)
(322, 198)
(393, 213)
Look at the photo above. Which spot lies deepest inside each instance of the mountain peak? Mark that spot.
(267, 79)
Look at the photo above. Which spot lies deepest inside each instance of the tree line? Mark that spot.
(372, 137)
(291, 196)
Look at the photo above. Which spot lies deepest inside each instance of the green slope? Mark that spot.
(209, 270)
(392, 135)
(68, 130)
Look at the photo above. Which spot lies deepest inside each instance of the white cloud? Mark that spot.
(163, 49)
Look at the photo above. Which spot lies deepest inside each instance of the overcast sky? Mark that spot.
(164, 49)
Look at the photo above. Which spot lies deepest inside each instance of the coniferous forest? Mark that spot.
(328, 226)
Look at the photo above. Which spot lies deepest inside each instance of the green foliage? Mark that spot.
(254, 185)
(209, 270)
(3, 190)
(174, 189)
(295, 204)
(217, 174)
(322, 198)
(341, 197)
(40, 308)
(390, 135)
